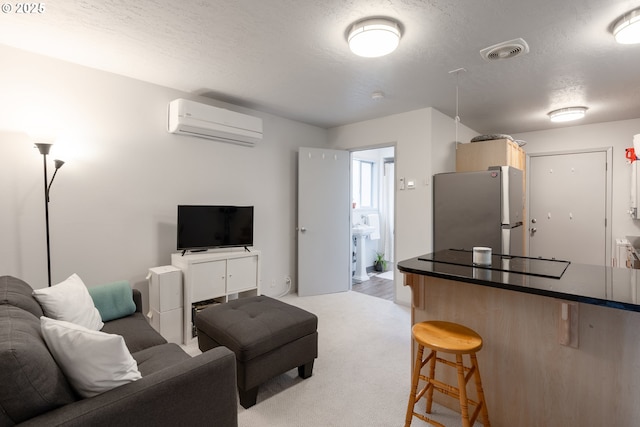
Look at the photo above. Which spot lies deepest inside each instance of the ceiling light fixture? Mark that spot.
(567, 114)
(626, 30)
(372, 38)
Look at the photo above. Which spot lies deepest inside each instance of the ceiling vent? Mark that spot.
(505, 50)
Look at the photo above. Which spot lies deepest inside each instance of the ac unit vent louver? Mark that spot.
(206, 121)
(505, 50)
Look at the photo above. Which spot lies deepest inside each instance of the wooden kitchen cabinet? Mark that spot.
(479, 156)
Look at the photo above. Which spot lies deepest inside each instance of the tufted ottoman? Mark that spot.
(268, 337)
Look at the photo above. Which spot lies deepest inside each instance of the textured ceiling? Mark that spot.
(290, 57)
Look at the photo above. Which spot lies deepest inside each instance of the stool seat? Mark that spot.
(455, 339)
(447, 337)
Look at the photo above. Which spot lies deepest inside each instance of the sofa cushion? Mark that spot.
(31, 381)
(156, 358)
(113, 300)
(93, 361)
(16, 292)
(70, 301)
(138, 334)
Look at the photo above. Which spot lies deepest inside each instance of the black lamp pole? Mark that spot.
(44, 149)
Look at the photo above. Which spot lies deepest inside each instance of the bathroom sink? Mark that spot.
(362, 230)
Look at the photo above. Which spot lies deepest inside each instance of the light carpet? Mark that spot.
(361, 376)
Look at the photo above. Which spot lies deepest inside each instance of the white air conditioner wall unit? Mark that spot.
(205, 121)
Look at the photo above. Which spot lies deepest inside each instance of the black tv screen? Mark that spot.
(206, 227)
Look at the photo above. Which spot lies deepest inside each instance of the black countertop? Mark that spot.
(590, 284)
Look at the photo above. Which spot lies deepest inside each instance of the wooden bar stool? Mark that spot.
(455, 339)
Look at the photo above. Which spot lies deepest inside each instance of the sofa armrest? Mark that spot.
(198, 391)
(137, 299)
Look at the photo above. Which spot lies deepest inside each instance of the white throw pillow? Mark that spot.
(92, 361)
(70, 301)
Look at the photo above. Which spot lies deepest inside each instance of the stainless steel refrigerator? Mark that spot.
(479, 209)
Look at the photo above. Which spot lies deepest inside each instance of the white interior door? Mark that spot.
(324, 225)
(568, 206)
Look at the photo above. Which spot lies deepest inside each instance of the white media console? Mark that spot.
(217, 276)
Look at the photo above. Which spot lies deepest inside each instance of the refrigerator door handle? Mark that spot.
(510, 226)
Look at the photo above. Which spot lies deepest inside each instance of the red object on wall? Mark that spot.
(630, 154)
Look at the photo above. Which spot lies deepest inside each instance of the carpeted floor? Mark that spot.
(361, 376)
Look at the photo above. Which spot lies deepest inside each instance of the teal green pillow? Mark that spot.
(113, 300)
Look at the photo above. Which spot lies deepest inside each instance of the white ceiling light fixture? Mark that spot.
(626, 30)
(375, 37)
(567, 114)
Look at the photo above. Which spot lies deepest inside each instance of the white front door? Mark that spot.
(324, 224)
(568, 206)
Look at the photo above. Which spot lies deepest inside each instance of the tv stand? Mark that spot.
(217, 276)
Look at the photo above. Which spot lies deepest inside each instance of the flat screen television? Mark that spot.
(206, 227)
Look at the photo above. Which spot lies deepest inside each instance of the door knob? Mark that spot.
(533, 220)
(303, 229)
(533, 231)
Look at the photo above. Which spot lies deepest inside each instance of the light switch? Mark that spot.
(411, 184)
(401, 186)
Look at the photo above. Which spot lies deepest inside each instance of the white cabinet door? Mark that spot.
(207, 280)
(242, 274)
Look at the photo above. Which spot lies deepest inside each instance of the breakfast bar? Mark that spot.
(561, 340)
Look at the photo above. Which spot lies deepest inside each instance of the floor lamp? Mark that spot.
(44, 150)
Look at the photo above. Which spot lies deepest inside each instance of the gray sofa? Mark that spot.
(175, 389)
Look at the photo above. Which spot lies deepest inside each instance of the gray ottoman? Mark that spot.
(268, 337)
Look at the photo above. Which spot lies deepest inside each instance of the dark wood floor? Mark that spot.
(375, 286)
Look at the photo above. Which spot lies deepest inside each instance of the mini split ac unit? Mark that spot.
(205, 121)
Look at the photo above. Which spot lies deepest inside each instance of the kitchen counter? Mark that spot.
(530, 376)
(590, 284)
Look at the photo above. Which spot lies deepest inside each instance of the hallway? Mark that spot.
(375, 286)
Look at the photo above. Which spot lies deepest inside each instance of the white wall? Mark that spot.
(618, 135)
(424, 141)
(113, 204)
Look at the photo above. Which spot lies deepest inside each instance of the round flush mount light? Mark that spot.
(626, 30)
(567, 114)
(372, 38)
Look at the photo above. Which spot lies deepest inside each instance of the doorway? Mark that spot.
(373, 222)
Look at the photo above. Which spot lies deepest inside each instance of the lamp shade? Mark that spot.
(374, 37)
(567, 114)
(627, 29)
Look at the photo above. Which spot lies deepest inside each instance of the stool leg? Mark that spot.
(462, 386)
(432, 375)
(480, 392)
(414, 386)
